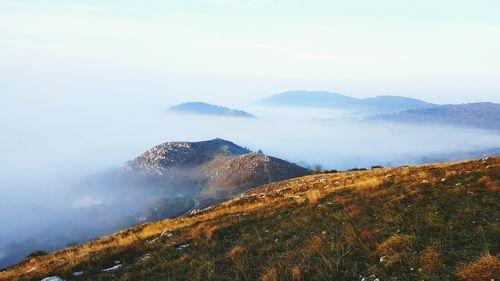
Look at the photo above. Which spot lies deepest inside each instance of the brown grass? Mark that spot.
(313, 196)
(179, 261)
(430, 260)
(489, 184)
(270, 274)
(296, 273)
(236, 251)
(391, 249)
(313, 246)
(485, 268)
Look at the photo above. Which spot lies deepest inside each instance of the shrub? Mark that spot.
(36, 254)
(317, 169)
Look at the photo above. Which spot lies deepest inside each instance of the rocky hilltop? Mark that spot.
(210, 171)
(160, 159)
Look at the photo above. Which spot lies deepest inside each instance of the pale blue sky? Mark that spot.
(443, 51)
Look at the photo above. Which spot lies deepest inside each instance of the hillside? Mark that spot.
(382, 104)
(478, 115)
(208, 109)
(434, 222)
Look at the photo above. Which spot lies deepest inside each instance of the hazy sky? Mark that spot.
(444, 51)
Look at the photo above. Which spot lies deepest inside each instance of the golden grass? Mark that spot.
(485, 268)
(312, 247)
(391, 249)
(270, 274)
(296, 273)
(489, 184)
(313, 196)
(430, 260)
(236, 251)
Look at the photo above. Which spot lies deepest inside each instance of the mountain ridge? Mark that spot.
(484, 115)
(327, 99)
(203, 108)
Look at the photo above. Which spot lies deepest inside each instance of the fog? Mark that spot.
(60, 152)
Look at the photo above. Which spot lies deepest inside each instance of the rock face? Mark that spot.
(160, 159)
(210, 171)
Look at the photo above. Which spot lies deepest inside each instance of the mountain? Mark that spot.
(209, 171)
(334, 100)
(396, 103)
(311, 99)
(208, 109)
(434, 222)
(484, 115)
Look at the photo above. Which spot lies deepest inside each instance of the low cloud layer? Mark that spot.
(54, 168)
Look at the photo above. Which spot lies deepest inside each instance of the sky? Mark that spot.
(233, 51)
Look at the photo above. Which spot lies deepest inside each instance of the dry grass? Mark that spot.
(179, 261)
(312, 247)
(391, 249)
(430, 260)
(489, 184)
(270, 274)
(484, 269)
(236, 251)
(313, 196)
(296, 273)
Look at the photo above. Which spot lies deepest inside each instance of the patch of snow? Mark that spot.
(167, 234)
(113, 268)
(78, 273)
(152, 241)
(182, 246)
(53, 278)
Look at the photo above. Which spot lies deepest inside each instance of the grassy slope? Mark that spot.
(436, 222)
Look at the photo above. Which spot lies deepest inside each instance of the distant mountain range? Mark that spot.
(209, 171)
(209, 109)
(484, 115)
(383, 104)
